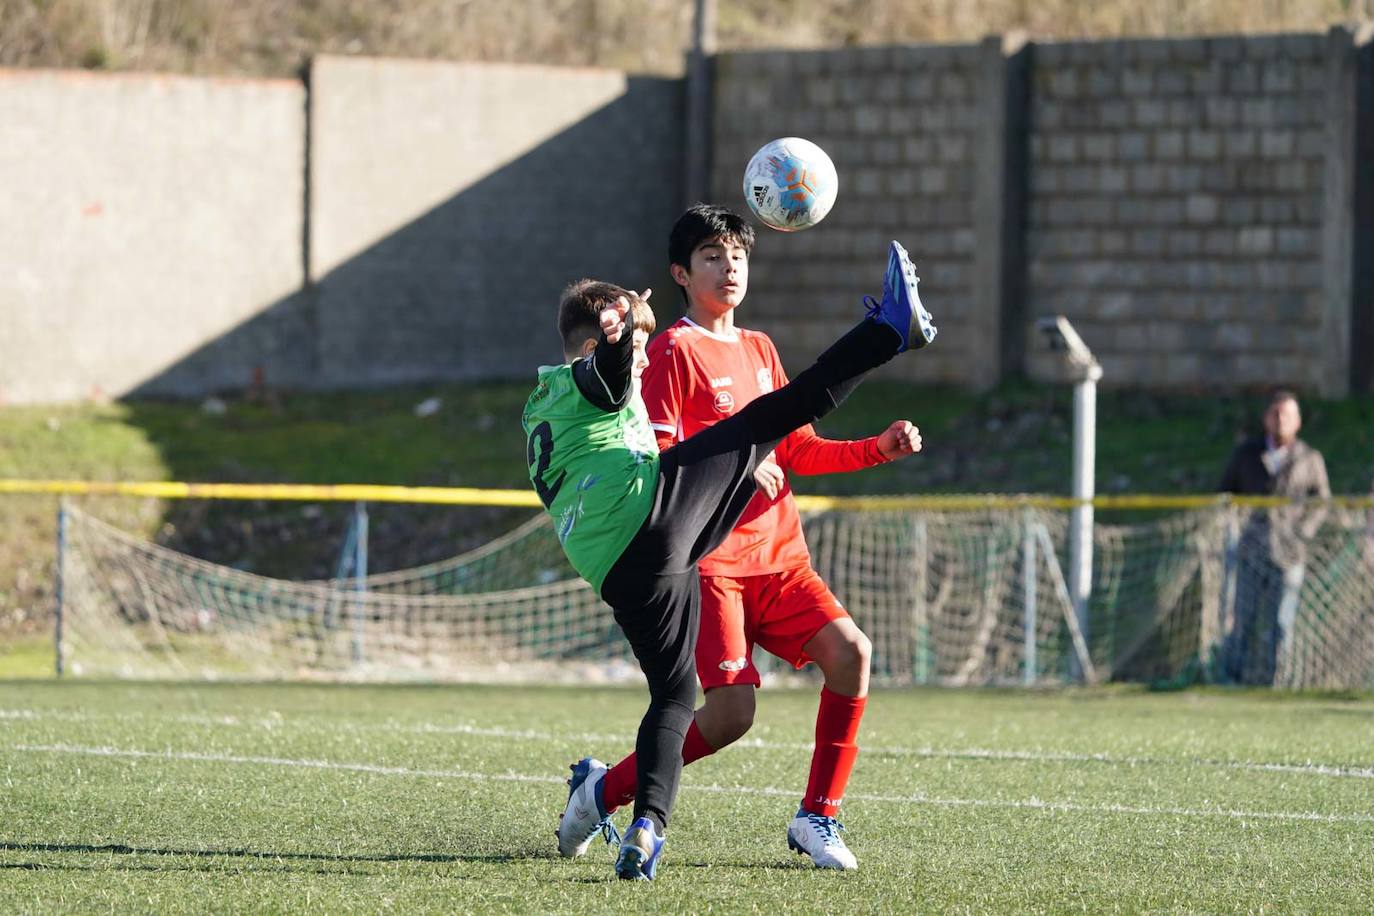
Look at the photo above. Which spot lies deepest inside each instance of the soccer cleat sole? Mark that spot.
(576, 846)
(909, 317)
(922, 331)
(630, 865)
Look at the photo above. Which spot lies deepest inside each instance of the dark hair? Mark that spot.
(580, 307)
(704, 223)
(1282, 394)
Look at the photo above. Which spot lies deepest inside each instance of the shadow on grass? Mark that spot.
(121, 849)
(324, 859)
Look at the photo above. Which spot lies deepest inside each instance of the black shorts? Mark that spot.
(703, 487)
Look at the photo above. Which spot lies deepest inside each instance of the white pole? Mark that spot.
(1081, 523)
(1029, 573)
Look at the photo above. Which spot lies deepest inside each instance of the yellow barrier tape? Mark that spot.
(464, 496)
(974, 502)
(472, 496)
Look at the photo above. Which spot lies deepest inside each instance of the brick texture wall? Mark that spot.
(1176, 206)
(901, 126)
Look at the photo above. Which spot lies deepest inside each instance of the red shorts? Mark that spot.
(779, 611)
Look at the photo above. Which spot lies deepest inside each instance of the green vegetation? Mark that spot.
(26, 656)
(269, 38)
(177, 798)
(1014, 439)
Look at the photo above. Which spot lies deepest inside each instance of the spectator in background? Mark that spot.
(1272, 550)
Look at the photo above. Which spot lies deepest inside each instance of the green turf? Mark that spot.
(30, 655)
(443, 799)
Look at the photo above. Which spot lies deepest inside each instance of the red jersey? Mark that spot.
(697, 378)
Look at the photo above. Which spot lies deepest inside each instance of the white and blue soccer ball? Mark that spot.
(790, 184)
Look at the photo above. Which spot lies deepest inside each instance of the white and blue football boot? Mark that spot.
(639, 852)
(901, 308)
(819, 837)
(585, 814)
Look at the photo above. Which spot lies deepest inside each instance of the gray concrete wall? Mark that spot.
(1192, 205)
(142, 218)
(156, 242)
(450, 203)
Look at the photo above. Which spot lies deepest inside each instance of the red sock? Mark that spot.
(622, 782)
(837, 732)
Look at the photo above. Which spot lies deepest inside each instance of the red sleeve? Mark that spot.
(804, 452)
(664, 388)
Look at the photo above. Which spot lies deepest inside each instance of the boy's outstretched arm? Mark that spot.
(803, 452)
(605, 378)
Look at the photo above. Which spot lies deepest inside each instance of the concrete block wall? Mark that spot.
(145, 220)
(1189, 204)
(902, 126)
(1177, 199)
(1197, 208)
(450, 204)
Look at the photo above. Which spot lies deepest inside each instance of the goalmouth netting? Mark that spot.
(961, 596)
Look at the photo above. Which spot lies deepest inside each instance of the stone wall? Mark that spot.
(902, 127)
(1177, 202)
(1188, 204)
(1199, 208)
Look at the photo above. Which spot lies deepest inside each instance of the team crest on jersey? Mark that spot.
(765, 380)
(725, 401)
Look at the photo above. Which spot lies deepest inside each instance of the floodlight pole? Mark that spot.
(1081, 521)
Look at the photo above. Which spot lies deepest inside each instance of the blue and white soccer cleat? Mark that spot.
(639, 852)
(819, 837)
(585, 814)
(901, 308)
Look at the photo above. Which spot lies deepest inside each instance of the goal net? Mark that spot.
(951, 597)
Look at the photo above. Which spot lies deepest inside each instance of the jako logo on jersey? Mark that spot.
(765, 380)
(721, 382)
(734, 664)
(725, 401)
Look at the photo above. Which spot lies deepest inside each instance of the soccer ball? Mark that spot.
(790, 184)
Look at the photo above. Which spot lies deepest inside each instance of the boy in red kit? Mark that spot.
(758, 586)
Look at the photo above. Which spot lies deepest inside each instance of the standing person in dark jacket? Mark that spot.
(1272, 550)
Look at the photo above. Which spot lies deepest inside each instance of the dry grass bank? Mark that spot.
(274, 37)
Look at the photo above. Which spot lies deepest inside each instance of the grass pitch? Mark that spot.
(270, 798)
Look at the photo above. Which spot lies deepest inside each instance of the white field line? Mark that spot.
(1022, 804)
(1309, 768)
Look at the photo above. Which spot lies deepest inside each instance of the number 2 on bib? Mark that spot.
(540, 447)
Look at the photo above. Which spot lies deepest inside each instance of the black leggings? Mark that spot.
(704, 485)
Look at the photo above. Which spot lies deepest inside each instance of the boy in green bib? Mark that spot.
(634, 523)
